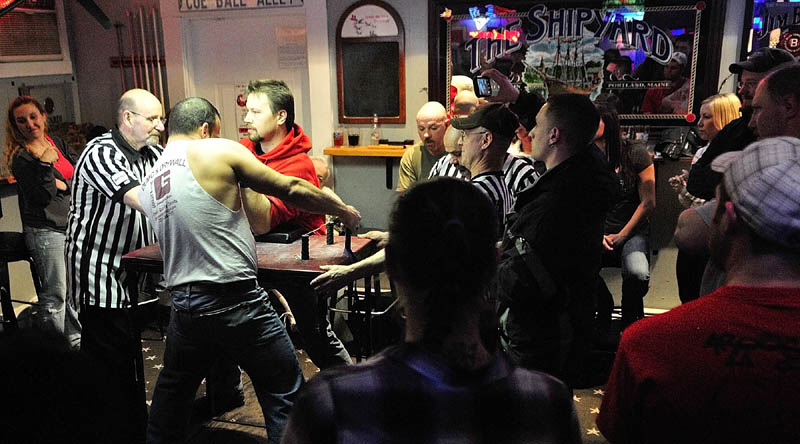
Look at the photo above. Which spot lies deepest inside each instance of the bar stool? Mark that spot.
(363, 305)
(13, 249)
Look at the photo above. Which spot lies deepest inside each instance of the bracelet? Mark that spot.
(286, 314)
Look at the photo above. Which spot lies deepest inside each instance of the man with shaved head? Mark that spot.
(102, 228)
(418, 160)
(776, 104)
(465, 103)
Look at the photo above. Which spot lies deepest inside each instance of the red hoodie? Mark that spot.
(290, 158)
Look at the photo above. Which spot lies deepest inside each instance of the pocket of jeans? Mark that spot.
(223, 310)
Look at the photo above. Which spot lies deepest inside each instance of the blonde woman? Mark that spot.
(43, 173)
(715, 112)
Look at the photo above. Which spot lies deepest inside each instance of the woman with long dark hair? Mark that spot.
(627, 223)
(43, 172)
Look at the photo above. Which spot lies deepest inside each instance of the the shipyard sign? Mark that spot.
(613, 27)
(649, 51)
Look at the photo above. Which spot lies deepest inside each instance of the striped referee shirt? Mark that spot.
(494, 186)
(518, 172)
(101, 228)
(445, 168)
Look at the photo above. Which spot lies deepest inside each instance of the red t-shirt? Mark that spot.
(62, 164)
(723, 368)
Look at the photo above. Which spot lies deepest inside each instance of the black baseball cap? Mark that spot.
(762, 60)
(496, 117)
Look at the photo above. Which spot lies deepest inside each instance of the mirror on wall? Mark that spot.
(655, 60)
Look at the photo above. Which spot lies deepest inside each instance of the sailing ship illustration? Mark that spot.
(567, 72)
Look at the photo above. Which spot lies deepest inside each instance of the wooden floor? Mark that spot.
(246, 424)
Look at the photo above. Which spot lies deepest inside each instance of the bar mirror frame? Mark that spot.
(463, 49)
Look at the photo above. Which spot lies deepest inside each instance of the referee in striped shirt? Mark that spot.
(101, 228)
(484, 139)
(519, 172)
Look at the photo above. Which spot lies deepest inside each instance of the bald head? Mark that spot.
(462, 83)
(431, 125)
(451, 140)
(322, 170)
(432, 110)
(465, 103)
(139, 118)
(452, 144)
(134, 99)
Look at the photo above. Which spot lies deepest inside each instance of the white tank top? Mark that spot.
(201, 239)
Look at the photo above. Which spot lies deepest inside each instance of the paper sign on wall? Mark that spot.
(291, 47)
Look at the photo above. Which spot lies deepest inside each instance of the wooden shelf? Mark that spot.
(366, 151)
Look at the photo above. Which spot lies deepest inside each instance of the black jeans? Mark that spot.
(111, 337)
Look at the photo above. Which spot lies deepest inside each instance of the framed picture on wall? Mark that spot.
(647, 57)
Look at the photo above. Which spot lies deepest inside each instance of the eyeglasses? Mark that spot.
(463, 134)
(155, 119)
(749, 84)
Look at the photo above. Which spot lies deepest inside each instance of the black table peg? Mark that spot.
(304, 247)
(329, 230)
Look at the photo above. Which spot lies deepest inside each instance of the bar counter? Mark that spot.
(366, 151)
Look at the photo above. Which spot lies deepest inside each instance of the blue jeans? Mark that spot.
(47, 249)
(635, 263)
(241, 327)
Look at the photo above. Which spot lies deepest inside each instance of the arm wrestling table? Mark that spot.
(280, 265)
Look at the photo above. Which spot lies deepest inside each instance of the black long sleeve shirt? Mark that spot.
(41, 204)
(735, 136)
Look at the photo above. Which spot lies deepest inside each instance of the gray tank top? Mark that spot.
(201, 239)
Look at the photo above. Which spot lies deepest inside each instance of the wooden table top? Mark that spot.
(275, 260)
(366, 151)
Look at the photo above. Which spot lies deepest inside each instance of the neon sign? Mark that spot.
(495, 47)
(481, 21)
(506, 34)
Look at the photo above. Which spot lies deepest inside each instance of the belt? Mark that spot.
(215, 288)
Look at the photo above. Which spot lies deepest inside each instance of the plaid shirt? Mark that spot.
(406, 394)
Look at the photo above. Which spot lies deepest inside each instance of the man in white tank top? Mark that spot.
(198, 197)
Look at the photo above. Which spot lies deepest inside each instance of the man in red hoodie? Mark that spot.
(280, 143)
